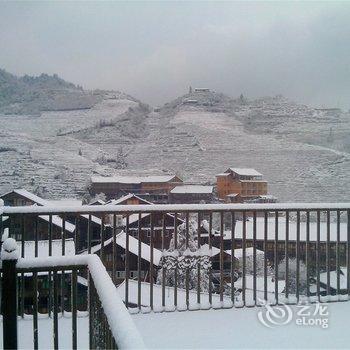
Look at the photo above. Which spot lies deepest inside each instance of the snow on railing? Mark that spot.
(124, 331)
(303, 245)
(171, 208)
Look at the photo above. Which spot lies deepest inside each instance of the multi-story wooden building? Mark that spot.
(240, 184)
(155, 188)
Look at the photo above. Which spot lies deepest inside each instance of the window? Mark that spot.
(109, 257)
(120, 274)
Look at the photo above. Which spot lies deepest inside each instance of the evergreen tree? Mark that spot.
(187, 258)
(121, 159)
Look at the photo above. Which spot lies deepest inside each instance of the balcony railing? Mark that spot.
(185, 257)
(110, 325)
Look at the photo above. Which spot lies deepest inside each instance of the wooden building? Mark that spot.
(74, 226)
(240, 184)
(33, 225)
(155, 188)
(106, 255)
(272, 245)
(157, 221)
(191, 194)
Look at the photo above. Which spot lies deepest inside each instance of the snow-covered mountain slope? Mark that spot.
(32, 95)
(40, 153)
(199, 144)
(200, 139)
(302, 152)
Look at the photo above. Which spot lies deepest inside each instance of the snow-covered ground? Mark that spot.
(241, 328)
(208, 329)
(45, 331)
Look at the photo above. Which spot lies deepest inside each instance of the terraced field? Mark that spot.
(303, 153)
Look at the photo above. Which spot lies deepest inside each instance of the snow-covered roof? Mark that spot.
(94, 219)
(57, 221)
(238, 253)
(83, 281)
(244, 171)
(267, 196)
(61, 203)
(192, 189)
(26, 194)
(292, 230)
(132, 179)
(263, 181)
(214, 251)
(133, 247)
(126, 197)
(97, 202)
(43, 248)
(135, 217)
(333, 277)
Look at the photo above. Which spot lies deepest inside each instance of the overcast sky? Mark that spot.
(155, 50)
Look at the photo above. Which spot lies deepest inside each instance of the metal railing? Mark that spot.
(167, 257)
(110, 325)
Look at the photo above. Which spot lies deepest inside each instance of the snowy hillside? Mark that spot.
(302, 152)
(32, 95)
(40, 154)
(287, 142)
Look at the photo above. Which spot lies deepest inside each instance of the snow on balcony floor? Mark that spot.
(240, 328)
(45, 330)
(206, 329)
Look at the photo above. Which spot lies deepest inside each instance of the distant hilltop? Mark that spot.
(33, 95)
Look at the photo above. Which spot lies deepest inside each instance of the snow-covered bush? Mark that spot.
(292, 275)
(185, 259)
(249, 264)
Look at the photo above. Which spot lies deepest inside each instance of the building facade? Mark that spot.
(155, 188)
(240, 184)
(191, 194)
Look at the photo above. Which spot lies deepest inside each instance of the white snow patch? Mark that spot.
(9, 250)
(193, 189)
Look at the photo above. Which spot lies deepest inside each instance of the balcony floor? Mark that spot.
(45, 331)
(230, 328)
(240, 328)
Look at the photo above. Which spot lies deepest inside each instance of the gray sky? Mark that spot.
(155, 50)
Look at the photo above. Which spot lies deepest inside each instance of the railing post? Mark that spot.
(9, 293)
